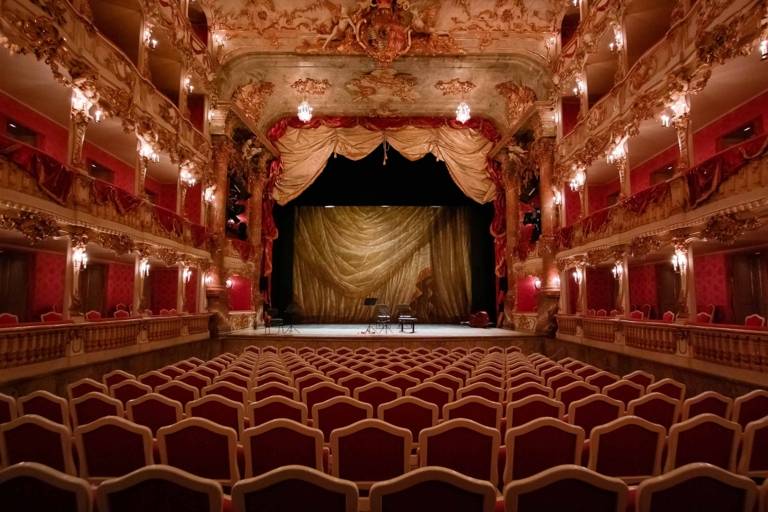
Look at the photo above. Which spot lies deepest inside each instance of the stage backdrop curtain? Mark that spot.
(305, 152)
(400, 255)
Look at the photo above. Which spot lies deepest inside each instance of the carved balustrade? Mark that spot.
(656, 337)
(568, 324)
(736, 347)
(600, 328)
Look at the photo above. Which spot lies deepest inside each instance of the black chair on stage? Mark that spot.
(292, 316)
(382, 316)
(272, 318)
(404, 316)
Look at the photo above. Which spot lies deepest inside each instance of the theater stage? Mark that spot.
(426, 335)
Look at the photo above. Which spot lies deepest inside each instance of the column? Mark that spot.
(76, 260)
(686, 299)
(623, 302)
(512, 201)
(181, 286)
(141, 268)
(69, 281)
(256, 188)
(583, 91)
(543, 152)
(184, 90)
(78, 124)
(581, 303)
(619, 157)
(684, 142)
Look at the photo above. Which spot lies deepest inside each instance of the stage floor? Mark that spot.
(346, 334)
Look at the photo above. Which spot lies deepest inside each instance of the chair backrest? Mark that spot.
(201, 447)
(402, 382)
(276, 407)
(409, 412)
(92, 406)
(370, 451)
(154, 378)
(8, 408)
(295, 488)
(624, 390)
(750, 407)
(227, 390)
(179, 391)
(754, 451)
(754, 320)
(539, 445)
(111, 447)
(32, 438)
(657, 408)
(159, 488)
(704, 317)
(128, 390)
(8, 319)
(321, 392)
(31, 486)
(575, 391)
(121, 313)
(704, 438)
(196, 379)
(602, 379)
(274, 388)
(46, 405)
(562, 380)
(281, 442)
(482, 389)
(432, 488)
(532, 407)
(449, 380)
(83, 386)
(237, 377)
(218, 409)
(636, 314)
(641, 377)
(154, 411)
(528, 389)
(433, 393)
(51, 316)
(115, 376)
(523, 378)
(669, 387)
(700, 487)
(559, 488)
(92, 315)
(462, 445)
(377, 393)
(629, 448)
(594, 410)
(707, 402)
(309, 380)
(476, 408)
(338, 412)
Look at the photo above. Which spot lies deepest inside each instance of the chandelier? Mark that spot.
(144, 267)
(79, 258)
(679, 261)
(578, 179)
(304, 112)
(463, 112)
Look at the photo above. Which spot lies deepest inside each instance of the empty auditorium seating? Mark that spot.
(36, 487)
(539, 445)
(112, 447)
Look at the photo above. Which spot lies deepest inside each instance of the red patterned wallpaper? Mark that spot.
(192, 205)
(53, 140)
(191, 292)
(572, 206)
(640, 176)
(642, 285)
(705, 139)
(527, 295)
(712, 284)
(598, 195)
(124, 173)
(48, 283)
(165, 193)
(573, 293)
(600, 288)
(163, 282)
(240, 294)
(119, 285)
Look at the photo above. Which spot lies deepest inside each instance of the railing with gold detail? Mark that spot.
(600, 328)
(657, 337)
(568, 324)
(735, 347)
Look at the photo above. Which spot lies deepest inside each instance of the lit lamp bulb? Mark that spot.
(229, 282)
(557, 198)
(578, 180)
(208, 280)
(304, 112)
(186, 274)
(763, 47)
(144, 267)
(209, 195)
(679, 261)
(463, 112)
(98, 115)
(149, 40)
(188, 84)
(666, 121)
(537, 282)
(186, 177)
(617, 270)
(578, 276)
(79, 258)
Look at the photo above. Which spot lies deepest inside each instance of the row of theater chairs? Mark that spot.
(158, 488)
(372, 450)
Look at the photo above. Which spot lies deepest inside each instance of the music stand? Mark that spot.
(369, 302)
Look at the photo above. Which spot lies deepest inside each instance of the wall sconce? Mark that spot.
(147, 151)
(618, 40)
(186, 176)
(79, 258)
(763, 48)
(666, 121)
(675, 110)
(578, 275)
(81, 103)
(229, 282)
(617, 270)
(304, 111)
(680, 260)
(556, 281)
(463, 112)
(219, 40)
(580, 87)
(536, 282)
(208, 279)
(556, 117)
(557, 198)
(149, 40)
(618, 152)
(209, 194)
(188, 84)
(578, 180)
(144, 267)
(186, 274)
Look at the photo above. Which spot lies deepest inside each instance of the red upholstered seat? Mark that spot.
(281, 442)
(128, 390)
(447, 379)
(33, 438)
(750, 407)
(309, 380)
(629, 448)
(575, 391)
(528, 389)
(227, 390)
(462, 445)
(8, 320)
(35, 487)
(523, 378)
(154, 411)
(586, 371)
(121, 314)
(7, 408)
(196, 379)
(532, 407)
(321, 392)
(402, 382)
(476, 408)
(754, 452)
(154, 379)
(707, 402)
(301, 487)
(238, 378)
(46, 405)
(202, 448)
(539, 445)
(432, 393)
(699, 487)
(645, 379)
(370, 451)
(379, 373)
(704, 438)
(272, 376)
(482, 389)
(354, 381)
(432, 488)
(377, 393)
(159, 489)
(276, 407)
(624, 390)
(274, 389)
(339, 412)
(112, 447)
(93, 406)
(602, 379)
(593, 411)
(218, 409)
(566, 488)
(669, 387)
(83, 386)
(754, 320)
(179, 391)
(562, 380)
(656, 408)
(409, 412)
(51, 317)
(115, 377)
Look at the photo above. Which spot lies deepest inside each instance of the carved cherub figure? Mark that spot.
(343, 24)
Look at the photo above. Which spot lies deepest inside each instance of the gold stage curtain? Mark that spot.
(305, 153)
(400, 255)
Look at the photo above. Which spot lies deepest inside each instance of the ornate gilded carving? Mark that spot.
(381, 85)
(121, 244)
(642, 246)
(168, 256)
(727, 228)
(252, 97)
(35, 226)
(723, 42)
(311, 87)
(518, 98)
(455, 87)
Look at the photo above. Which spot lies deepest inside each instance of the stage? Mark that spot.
(426, 335)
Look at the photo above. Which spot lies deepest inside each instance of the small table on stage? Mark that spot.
(409, 320)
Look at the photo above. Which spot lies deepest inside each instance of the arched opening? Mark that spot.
(199, 21)
(120, 21)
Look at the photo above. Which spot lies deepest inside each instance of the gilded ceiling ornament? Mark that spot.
(121, 244)
(455, 87)
(727, 228)
(723, 42)
(642, 246)
(597, 256)
(311, 87)
(518, 98)
(252, 97)
(168, 256)
(381, 85)
(35, 227)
